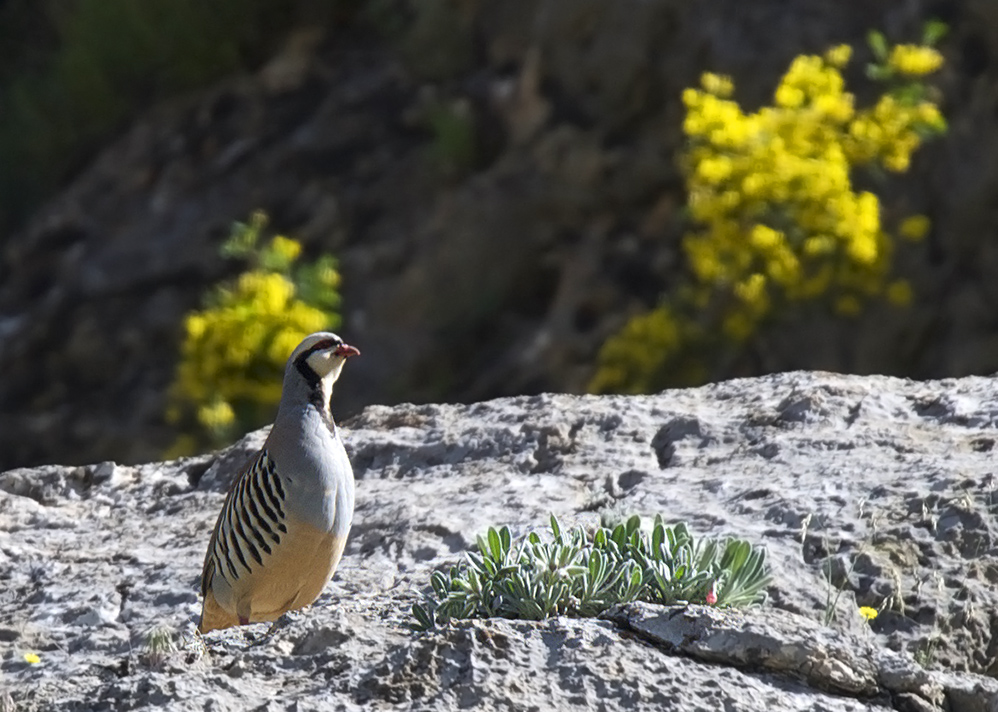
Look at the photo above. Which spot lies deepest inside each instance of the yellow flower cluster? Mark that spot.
(778, 218)
(891, 131)
(773, 192)
(643, 346)
(234, 351)
(632, 359)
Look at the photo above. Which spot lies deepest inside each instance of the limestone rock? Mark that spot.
(890, 479)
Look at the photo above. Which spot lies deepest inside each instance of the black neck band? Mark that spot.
(315, 394)
(306, 371)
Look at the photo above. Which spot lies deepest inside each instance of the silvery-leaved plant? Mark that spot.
(582, 573)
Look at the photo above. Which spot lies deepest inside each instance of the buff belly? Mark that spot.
(291, 577)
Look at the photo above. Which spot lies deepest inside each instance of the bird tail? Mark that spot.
(213, 616)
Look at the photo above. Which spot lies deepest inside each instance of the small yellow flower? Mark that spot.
(714, 170)
(717, 84)
(868, 209)
(819, 245)
(914, 60)
(863, 249)
(754, 184)
(753, 289)
(898, 161)
(216, 415)
(195, 324)
(839, 56)
(32, 658)
(929, 114)
(915, 227)
(286, 248)
(789, 97)
(765, 238)
(868, 613)
(900, 293)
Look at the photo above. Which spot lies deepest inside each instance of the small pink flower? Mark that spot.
(712, 594)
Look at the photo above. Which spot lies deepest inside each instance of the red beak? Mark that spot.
(346, 351)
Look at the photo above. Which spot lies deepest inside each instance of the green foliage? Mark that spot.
(778, 223)
(102, 60)
(578, 574)
(454, 148)
(235, 349)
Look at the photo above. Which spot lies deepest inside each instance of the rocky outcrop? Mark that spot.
(885, 484)
(499, 183)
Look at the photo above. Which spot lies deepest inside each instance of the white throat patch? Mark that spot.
(327, 366)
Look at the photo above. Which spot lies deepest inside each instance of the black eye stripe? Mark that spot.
(320, 346)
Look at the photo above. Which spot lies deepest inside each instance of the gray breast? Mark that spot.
(318, 478)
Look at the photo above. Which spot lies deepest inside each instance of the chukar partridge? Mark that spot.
(285, 521)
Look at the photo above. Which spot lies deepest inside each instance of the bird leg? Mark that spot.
(281, 622)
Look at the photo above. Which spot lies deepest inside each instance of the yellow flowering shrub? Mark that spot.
(777, 220)
(660, 334)
(234, 350)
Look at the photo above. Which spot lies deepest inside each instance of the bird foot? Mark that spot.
(280, 623)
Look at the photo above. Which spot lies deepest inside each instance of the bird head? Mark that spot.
(319, 358)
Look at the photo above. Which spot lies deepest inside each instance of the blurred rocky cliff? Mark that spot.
(498, 180)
